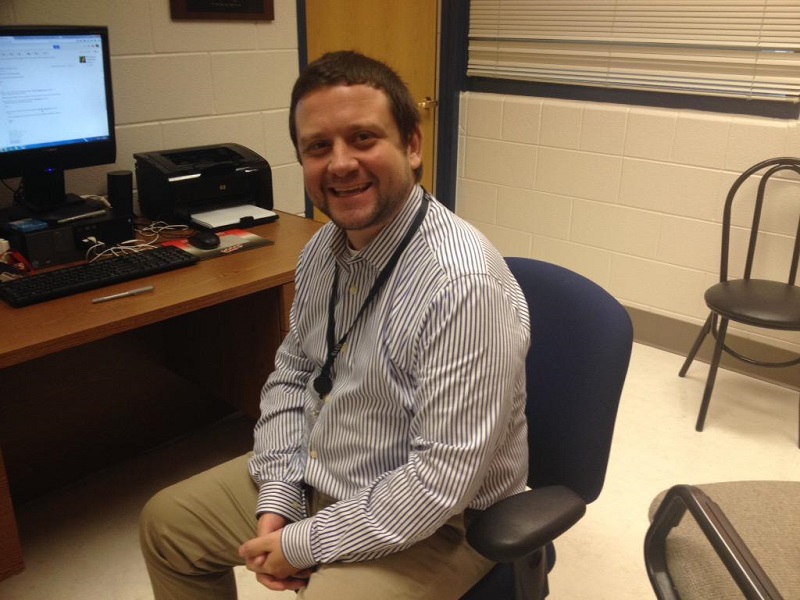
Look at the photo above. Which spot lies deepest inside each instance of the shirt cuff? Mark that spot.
(283, 499)
(296, 544)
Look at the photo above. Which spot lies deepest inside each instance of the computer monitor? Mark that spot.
(56, 108)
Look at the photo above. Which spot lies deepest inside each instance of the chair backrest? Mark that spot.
(769, 167)
(581, 340)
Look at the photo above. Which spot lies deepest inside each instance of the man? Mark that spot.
(396, 406)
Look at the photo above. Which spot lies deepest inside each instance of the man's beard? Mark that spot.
(383, 212)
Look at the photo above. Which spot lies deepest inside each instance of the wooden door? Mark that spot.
(401, 34)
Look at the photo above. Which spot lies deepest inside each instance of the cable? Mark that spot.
(5, 183)
(101, 199)
(158, 229)
(151, 232)
(17, 193)
(100, 250)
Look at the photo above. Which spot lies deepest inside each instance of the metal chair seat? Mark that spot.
(757, 302)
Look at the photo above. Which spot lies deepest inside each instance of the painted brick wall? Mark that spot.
(630, 197)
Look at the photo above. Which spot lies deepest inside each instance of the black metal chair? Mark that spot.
(581, 340)
(695, 550)
(757, 302)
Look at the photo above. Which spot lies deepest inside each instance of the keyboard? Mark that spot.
(89, 276)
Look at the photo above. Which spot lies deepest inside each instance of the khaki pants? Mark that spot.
(191, 532)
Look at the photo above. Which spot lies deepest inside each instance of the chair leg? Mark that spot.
(697, 343)
(712, 373)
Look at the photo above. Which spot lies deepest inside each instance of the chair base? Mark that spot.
(719, 346)
(512, 580)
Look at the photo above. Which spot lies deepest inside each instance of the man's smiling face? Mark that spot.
(357, 169)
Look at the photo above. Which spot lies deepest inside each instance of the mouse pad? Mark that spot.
(230, 241)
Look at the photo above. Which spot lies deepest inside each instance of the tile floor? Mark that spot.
(80, 543)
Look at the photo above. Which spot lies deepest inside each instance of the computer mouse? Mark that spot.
(205, 240)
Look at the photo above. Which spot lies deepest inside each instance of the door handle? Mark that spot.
(428, 103)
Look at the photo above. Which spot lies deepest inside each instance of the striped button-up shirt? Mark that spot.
(426, 415)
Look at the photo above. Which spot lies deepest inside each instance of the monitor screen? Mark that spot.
(56, 107)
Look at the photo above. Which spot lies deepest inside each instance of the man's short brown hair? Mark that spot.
(353, 68)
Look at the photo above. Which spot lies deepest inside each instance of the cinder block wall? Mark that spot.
(187, 83)
(629, 196)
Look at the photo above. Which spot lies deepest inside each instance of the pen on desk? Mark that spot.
(136, 292)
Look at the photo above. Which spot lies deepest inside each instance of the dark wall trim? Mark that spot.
(677, 336)
(302, 59)
(762, 108)
(302, 34)
(452, 79)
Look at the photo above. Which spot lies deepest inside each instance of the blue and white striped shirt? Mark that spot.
(426, 415)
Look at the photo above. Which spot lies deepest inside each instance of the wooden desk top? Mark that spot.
(41, 329)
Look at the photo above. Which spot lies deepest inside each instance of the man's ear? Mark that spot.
(414, 150)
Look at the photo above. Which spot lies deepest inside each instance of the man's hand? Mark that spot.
(263, 556)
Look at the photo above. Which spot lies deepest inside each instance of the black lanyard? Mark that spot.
(323, 383)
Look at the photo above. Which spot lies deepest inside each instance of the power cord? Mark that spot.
(150, 232)
(100, 249)
(154, 231)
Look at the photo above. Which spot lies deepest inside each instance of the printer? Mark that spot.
(176, 184)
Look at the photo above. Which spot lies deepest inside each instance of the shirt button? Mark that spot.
(353, 290)
(312, 455)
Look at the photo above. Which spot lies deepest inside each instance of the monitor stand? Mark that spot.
(45, 197)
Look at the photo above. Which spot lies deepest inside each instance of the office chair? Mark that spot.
(581, 340)
(751, 301)
(736, 539)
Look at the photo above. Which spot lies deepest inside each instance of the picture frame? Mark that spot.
(223, 10)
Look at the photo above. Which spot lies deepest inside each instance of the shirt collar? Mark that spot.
(380, 249)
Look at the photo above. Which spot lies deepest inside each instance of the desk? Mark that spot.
(93, 383)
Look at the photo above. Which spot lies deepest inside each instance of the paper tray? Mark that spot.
(245, 215)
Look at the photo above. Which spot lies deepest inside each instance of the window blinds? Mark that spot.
(738, 48)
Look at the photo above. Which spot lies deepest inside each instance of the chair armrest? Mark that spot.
(521, 524)
(721, 534)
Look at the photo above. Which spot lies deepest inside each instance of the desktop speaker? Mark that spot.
(120, 192)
